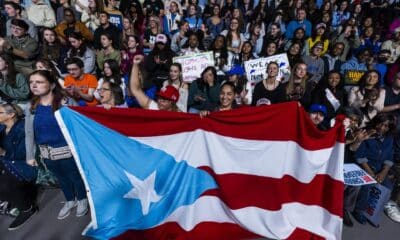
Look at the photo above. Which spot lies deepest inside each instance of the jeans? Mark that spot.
(68, 177)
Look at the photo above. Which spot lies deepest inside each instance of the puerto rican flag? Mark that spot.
(263, 172)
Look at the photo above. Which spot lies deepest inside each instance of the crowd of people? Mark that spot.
(344, 57)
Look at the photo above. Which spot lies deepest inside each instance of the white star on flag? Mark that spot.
(143, 190)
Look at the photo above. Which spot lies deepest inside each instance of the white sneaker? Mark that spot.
(82, 207)
(392, 211)
(66, 209)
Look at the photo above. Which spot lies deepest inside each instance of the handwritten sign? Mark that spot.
(355, 176)
(194, 64)
(256, 69)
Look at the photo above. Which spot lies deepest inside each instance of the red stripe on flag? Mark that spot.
(283, 122)
(205, 231)
(271, 193)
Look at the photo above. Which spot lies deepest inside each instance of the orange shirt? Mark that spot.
(87, 81)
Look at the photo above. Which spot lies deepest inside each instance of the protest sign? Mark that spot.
(352, 77)
(194, 64)
(378, 197)
(355, 176)
(256, 68)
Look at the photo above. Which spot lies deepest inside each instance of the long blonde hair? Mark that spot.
(291, 85)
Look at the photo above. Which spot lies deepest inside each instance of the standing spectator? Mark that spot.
(114, 15)
(132, 48)
(349, 36)
(20, 46)
(91, 14)
(109, 28)
(14, 10)
(300, 22)
(297, 88)
(79, 85)
(193, 18)
(17, 177)
(42, 129)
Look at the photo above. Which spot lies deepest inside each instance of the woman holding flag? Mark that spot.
(42, 129)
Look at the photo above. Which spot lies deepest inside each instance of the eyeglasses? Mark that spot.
(72, 69)
(103, 89)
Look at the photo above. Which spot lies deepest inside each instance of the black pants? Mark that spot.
(19, 194)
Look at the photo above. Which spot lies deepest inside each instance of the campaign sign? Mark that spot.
(194, 64)
(256, 69)
(355, 176)
(352, 77)
(378, 197)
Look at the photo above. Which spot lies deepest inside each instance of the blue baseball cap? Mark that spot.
(318, 108)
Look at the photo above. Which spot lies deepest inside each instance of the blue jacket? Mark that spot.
(293, 25)
(14, 160)
(376, 152)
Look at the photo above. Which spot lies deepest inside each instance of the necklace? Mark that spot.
(270, 87)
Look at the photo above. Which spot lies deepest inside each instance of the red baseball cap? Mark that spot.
(170, 93)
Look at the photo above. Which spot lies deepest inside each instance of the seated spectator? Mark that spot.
(71, 25)
(81, 50)
(44, 64)
(393, 45)
(274, 34)
(131, 49)
(245, 54)
(107, 51)
(13, 86)
(315, 64)
(51, 49)
(375, 156)
(43, 130)
(319, 35)
(269, 90)
(300, 37)
(193, 18)
(63, 4)
(341, 15)
(350, 38)
(367, 96)
(215, 23)
(20, 46)
(300, 21)
(269, 49)
(41, 14)
(355, 67)
(153, 8)
(166, 97)
(107, 27)
(150, 34)
(234, 38)
(14, 10)
(255, 37)
(219, 49)
(193, 44)
(79, 85)
(115, 16)
(173, 14)
(180, 38)
(332, 58)
(91, 14)
(294, 53)
(17, 178)
(204, 92)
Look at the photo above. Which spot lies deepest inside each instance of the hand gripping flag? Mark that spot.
(243, 174)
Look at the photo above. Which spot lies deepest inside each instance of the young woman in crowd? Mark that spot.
(167, 97)
(274, 34)
(51, 48)
(367, 96)
(108, 51)
(319, 35)
(255, 37)
(127, 29)
(44, 64)
(204, 92)
(269, 90)
(234, 38)
(43, 130)
(149, 37)
(16, 176)
(81, 50)
(269, 49)
(294, 53)
(111, 74)
(246, 54)
(243, 90)
(297, 88)
(215, 23)
(13, 85)
(175, 80)
(299, 35)
(130, 50)
(226, 99)
(330, 93)
(220, 51)
(110, 95)
(90, 14)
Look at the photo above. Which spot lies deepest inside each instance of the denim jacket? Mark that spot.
(376, 152)
(14, 159)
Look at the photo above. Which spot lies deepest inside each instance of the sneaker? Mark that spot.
(3, 207)
(14, 212)
(392, 211)
(82, 207)
(22, 218)
(66, 210)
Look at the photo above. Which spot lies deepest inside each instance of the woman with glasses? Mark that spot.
(43, 130)
(17, 178)
(13, 85)
(112, 74)
(110, 95)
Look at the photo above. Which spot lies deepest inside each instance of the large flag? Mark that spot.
(242, 174)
